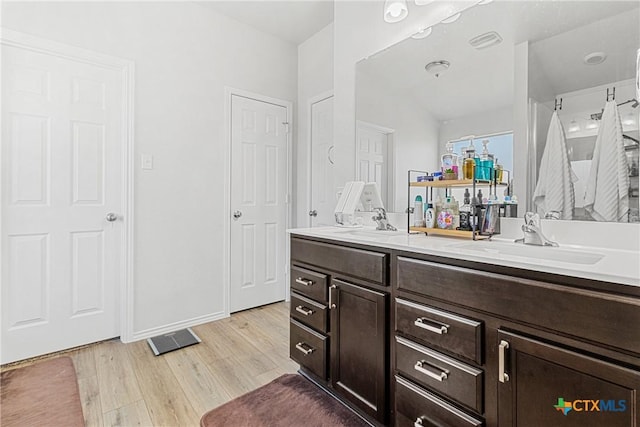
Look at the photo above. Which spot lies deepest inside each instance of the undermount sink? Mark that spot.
(375, 233)
(531, 252)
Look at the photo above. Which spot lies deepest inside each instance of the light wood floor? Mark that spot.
(126, 385)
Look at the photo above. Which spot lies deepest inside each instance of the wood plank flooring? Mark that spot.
(126, 385)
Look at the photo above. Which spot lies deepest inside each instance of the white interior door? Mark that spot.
(372, 157)
(62, 176)
(258, 203)
(323, 194)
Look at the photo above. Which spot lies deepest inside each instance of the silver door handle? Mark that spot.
(331, 303)
(313, 213)
(305, 282)
(502, 375)
(111, 217)
(237, 214)
(304, 310)
(305, 351)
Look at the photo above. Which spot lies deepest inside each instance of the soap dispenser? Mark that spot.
(449, 160)
(486, 162)
(469, 163)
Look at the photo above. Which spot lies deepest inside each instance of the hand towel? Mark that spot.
(554, 190)
(607, 194)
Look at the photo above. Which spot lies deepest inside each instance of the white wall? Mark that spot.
(184, 55)
(360, 31)
(315, 77)
(416, 132)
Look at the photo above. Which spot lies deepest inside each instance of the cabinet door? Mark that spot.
(359, 347)
(544, 385)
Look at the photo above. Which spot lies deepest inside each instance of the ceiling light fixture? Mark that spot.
(422, 33)
(595, 58)
(452, 18)
(395, 10)
(436, 68)
(573, 126)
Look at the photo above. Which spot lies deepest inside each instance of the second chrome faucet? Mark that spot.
(533, 232)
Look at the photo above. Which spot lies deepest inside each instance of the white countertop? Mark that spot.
(612, 265)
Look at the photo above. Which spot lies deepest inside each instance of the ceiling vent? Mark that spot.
(485, 40)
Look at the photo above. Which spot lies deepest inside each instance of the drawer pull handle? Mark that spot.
(331, 303)
(419, 366)
(418, 422)
(304, 310)
(305, 282)
(502, 375)
(420, 323)
(305, 351)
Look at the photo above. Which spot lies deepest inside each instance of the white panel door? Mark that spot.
(258, 203)
(61, 174)
(372, 162)
(323, 193)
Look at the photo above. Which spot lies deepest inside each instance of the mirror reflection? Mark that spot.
(499, 69)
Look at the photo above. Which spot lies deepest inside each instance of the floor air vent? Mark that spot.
(172, 341)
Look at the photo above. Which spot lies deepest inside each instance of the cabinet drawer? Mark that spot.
(455, 379)
(309, 283)
(308, 348)
(358, 263)
(417, 407)
(565, 309)
(309, 312)
(441, 329)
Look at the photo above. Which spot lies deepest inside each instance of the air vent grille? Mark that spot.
(485, 40)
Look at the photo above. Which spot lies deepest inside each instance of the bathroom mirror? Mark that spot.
(482, 70)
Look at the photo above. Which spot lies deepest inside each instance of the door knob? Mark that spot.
(313, 213)
(111, 217)
(237, 214)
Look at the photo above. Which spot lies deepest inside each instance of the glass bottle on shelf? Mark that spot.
(466, 214)
(469, 163)
(486, 163)
(499, 171)
(450, 160)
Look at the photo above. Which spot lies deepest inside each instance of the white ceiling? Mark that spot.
(293, 20)
(479, 80)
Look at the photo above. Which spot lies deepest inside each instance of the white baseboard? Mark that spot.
(160, 330)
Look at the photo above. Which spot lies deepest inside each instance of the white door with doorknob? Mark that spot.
(322, 188)
(62, 175)
(258, 202)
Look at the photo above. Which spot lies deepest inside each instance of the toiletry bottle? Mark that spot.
(455, 211)
(465, 212)
(430, 216)
(486, 162)
(438, 207)
(468, 165)
(418, 212)
(445, 217)
(499, 171)
(450, 160)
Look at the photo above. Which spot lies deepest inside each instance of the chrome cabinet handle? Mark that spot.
(420, 323)
(502, 375)
(305, 282)
(111, 217)
(313, 213)
(418, 422)
(331, 304)
(304, 310)
(305, 351)
(438, 377)
(237, 214)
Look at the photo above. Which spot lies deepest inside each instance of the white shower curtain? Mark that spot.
(554, 190)
(607, 193)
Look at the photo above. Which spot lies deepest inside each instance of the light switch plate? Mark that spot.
(147, 161)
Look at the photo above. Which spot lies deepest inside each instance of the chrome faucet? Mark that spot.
(533, 232)
(381, 219)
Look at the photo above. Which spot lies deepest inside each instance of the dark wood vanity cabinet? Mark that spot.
(340, 322)
(484, 345)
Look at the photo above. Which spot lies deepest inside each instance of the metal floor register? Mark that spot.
(172, 341)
